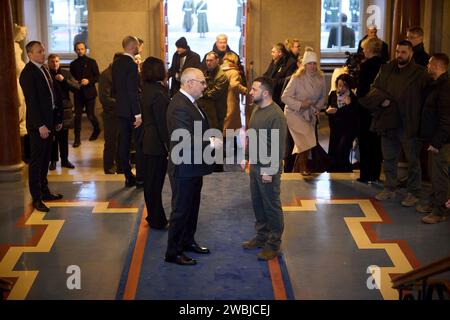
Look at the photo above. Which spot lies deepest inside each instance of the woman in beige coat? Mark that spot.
(235, 88)
(304, 97)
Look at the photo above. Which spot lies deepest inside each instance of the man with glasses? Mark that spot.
(186, 176)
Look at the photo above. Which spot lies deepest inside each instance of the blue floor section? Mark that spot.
(226, 219)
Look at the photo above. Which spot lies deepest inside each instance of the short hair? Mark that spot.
(266, 83)
(31, 44)
(343, 17)
(374, 44)
(222, 36)
(213, 53)
(188, 74)
(231, 57)
(52, 56)
(128, 40)
(280, 47)
(418, 31)
(372, 27)
(405, 43)
(442, 58)
(153, 70)
(77, 43)
(347, 79)
(289, 43)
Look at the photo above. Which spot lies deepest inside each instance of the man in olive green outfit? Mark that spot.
(267, 128)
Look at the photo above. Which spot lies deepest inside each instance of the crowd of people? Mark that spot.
(387, 107)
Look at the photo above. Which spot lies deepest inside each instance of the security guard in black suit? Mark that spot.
(44, 115)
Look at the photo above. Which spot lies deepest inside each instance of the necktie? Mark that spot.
(48, 77)
(199, 110)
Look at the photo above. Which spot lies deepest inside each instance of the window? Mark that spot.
(340, 25)
(67, 24)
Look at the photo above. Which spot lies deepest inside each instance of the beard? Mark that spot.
(257, 100)
(402, 62)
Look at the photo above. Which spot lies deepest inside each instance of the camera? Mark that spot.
(352, 63)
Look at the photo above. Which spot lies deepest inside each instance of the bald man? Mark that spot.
(186, 176)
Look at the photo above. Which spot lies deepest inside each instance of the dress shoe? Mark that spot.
(52, 196)
(76, 144)
(267, 254)
(94, 135)
(67, 164)
(196, 248)
(40, 206)
(130, 182)
(110, 171)
(52, 165)
(181, 260)
(157, 226)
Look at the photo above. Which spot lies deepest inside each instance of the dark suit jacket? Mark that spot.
(181, 115)
(348, 37)
(38, 99)
(85, 68)
(125, 77)
(154, 103)
(192, 61)
(278, 72)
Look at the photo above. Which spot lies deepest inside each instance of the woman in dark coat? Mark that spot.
(342, 114)
(369, 141)
(155, 142)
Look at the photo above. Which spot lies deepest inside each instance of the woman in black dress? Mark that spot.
(155, 142)
(342, 114)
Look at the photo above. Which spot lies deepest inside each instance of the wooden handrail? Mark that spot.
(421, 273)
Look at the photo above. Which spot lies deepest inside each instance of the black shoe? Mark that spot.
(110, 171)
(362, 180)
(181, 260)
(52, 196)
(52, 165)
(67, 164)
(76, 144)
(40, 206)
(139, 184)
(196, 248)
(130, 182)
(94, 135)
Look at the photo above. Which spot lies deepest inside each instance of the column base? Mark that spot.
(12, 173)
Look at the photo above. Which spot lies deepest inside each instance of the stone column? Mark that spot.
(11, 164)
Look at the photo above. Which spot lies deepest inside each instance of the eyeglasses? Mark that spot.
(202, 82)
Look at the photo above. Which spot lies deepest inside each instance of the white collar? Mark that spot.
(188, 95)
(37, 64)
(130, 55)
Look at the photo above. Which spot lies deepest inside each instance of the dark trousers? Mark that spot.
(80, 104)
(370, 156)
(126, 131)
(111, 135)
(38, 166)
(341, 143)
(61, 144)
(289, 158)
(155, 168)
(25, 148)
(438, 167)
(186, 193)
(266, 202)
(391, 143)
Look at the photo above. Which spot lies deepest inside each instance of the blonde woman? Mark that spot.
(304, 97)
(235, 88)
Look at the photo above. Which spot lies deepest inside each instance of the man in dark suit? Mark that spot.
(186, 176)
(347, 35)
(85, 70)
(182, 59)
(44, 114)
(372, 33)
(125, 78)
